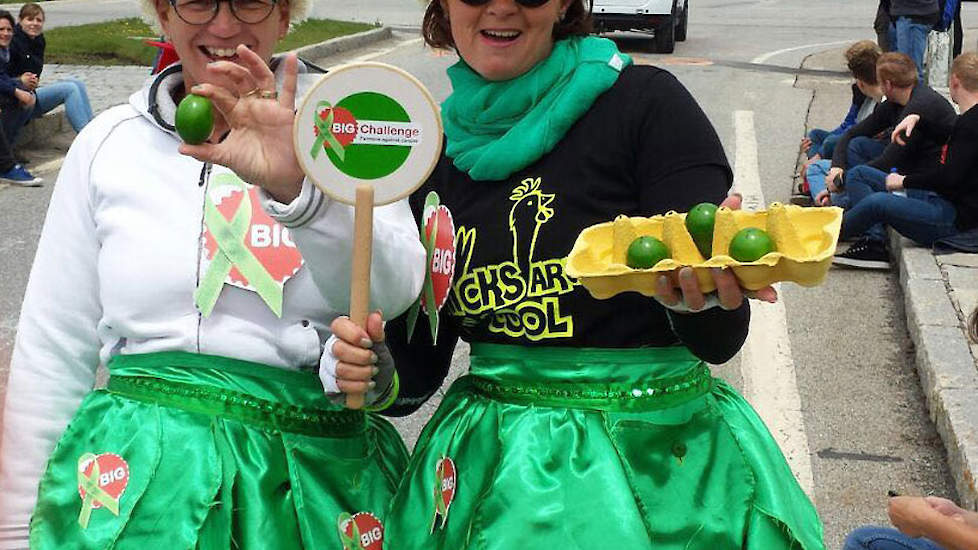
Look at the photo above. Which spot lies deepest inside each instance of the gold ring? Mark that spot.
(262, 94)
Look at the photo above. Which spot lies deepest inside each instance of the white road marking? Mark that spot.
(770, 385)
(764, 57)
(385, 51)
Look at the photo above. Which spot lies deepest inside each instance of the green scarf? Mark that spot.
(497, 128)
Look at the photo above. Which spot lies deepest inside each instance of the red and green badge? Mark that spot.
(446, 481)
(361, 531)
(367, 135)
(101, 481)
(438, 237)
(245, 246)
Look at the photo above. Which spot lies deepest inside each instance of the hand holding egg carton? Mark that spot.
(804, 241)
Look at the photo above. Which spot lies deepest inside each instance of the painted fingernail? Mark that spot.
(372, 385)
(375, 371)
(373, 358)
(197, 88)
(663, 281)
(366, 343)
(686, 274)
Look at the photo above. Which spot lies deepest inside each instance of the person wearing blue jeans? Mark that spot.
(72, 94)
(939, 202)
(922, 216)
(885, 538)
(25, 65)
(912, 21)
(819, 144)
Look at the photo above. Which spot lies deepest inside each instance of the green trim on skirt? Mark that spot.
(193, 451)
(594, 448)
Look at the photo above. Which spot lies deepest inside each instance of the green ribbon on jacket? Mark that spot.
(232, 252)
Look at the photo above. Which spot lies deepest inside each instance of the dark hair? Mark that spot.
(4, 14)
(437, 31)
(861, 59)
(898, 68)
(31, 9)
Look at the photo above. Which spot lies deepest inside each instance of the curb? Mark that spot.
(41, 129)
(342, 44)
(944, 362)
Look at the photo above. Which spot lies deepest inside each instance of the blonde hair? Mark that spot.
(298, 11)
(965, 67)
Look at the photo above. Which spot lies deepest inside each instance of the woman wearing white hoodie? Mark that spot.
(188, 281)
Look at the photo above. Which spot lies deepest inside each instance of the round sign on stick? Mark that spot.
(367, 134)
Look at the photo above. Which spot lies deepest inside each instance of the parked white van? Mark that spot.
(665, 18)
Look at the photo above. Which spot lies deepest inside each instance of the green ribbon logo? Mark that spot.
(432, 201)
(351, 541)
(232, 252)
(325, 133)
(93, 493)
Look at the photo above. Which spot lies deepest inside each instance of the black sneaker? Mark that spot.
(802, 199)
(864, 254)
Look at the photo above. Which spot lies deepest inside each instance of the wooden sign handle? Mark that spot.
(363, 230)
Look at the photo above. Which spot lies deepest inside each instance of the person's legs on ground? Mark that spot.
(817, 137)
(828, 145)
(11, 172)
(863, 185)
(882, 27)
(816, 181)
(863, 149)
(912, 40)
(72, 94)
(14, 118)
(884, 538)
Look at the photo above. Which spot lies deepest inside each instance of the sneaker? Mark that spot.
(802, 199)
(18, 175)
(864, 254)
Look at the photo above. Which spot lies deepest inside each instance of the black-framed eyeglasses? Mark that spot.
(202, 12)
(524, 3)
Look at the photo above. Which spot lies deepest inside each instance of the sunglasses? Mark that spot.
(524, 3)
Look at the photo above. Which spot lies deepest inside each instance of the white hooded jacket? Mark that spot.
(121, 254)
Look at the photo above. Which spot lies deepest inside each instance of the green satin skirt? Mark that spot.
(189, 451)
(551, 448)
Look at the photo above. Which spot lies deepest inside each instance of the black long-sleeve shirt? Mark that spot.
(922, 151)
(644, 148)
(956, 179)
(26, 53)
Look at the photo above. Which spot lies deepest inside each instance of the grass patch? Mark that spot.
(119, 42)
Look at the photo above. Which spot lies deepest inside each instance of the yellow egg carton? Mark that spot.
(804, 239)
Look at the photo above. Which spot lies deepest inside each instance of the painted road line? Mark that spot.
(385, 51)
(764, 57)
(770, 384)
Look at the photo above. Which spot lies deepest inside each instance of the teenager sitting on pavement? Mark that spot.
(16, 101)
(26, 64)
(10, 171)
(905, 95)
(939, 202)
(861, 59)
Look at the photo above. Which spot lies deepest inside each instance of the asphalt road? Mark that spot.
(861, 410)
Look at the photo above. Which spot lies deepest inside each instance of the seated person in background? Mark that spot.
(939, 201)
(16, 102)
(26, 64)
(861, 59)
(905, 95)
